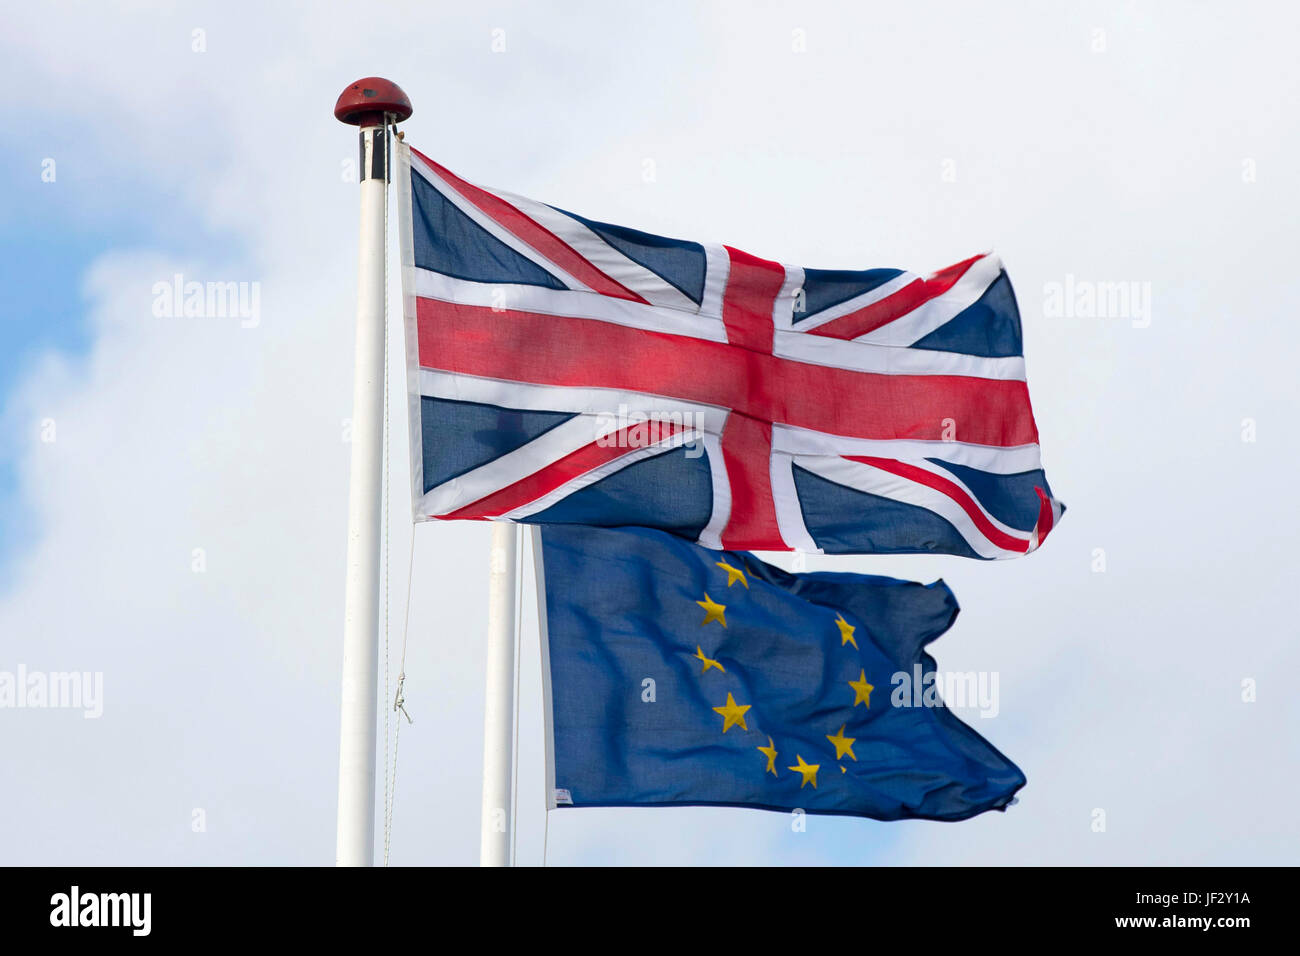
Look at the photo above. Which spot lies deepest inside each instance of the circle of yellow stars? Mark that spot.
(733, 714)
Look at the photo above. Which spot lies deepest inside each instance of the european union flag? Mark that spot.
(683, 676)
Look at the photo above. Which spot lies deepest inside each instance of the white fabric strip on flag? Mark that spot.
(544, 642)
(406, 249)
(883, 291)
(716, 270)
(513, 466)
(711, 536)
(491, 226)
(859, 355)
(991, 458)
(595, 401)
(626, 272)
(568, 303)
(783, 306)
(588, 478)
(789, 512)
(863, 477)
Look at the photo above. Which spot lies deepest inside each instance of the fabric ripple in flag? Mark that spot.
(676, 676)
(567, 371)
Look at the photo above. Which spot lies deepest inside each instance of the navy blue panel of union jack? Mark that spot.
(567, 371)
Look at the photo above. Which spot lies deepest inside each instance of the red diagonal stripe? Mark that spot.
(911, 296)
(535, 235)
(561, 350)
(557, 473)
(953, 491)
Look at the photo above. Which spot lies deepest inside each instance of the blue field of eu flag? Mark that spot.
(683, 676)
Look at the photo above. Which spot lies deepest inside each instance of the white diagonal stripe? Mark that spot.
(627, 272)
(482, 219)
(871, 297)
(925, 318)
(862, 477)
(588, 478)
(513, 466)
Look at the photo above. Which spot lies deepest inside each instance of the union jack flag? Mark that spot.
(568, 371)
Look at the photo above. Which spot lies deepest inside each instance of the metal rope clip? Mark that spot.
(399, 701)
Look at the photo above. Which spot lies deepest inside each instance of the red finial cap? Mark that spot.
(365, 102)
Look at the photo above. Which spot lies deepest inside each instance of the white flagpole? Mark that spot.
(498, 710)
(370, 104)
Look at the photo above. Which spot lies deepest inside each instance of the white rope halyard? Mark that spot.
(399, 706)
(399, 699)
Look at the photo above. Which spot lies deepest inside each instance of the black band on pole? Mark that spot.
(373, 143)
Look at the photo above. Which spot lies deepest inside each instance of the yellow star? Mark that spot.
(733, 574)
(708, 661)
(713, 611)
(843, 745)
(809, 771)
(861, 690)
(770, 752)
(846, 632)
(732, 714)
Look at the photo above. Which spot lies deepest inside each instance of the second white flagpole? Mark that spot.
(498, 705)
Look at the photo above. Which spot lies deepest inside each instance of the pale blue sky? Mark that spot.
(51, 232)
